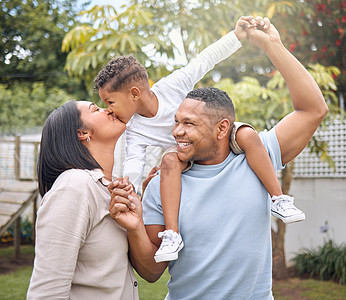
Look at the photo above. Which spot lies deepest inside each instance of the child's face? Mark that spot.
(120, 104)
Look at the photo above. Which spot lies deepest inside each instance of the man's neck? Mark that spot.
(218, 158)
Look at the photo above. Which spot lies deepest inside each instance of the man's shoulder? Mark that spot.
(268, 137)
(153, 187)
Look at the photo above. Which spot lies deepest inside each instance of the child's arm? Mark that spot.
(258, 159)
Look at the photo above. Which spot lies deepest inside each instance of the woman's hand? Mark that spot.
(125, 207)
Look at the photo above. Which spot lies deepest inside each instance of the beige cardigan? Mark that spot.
(81, 252)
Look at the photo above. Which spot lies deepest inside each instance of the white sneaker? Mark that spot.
(171, 244)
(283, 208)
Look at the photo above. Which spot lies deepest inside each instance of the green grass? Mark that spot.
(320, 290)
(153, 291)
(13, 286)
(8, 252)
(295, 288)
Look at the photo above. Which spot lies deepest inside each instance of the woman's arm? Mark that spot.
(61, 229)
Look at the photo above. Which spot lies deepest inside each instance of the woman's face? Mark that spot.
(105, 126)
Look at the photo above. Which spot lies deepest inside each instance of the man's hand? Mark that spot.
(263, 36)
(248, 22)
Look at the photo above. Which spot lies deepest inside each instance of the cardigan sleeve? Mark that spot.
(62, 226)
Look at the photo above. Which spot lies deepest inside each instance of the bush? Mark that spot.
(25, 232)
(325, 262)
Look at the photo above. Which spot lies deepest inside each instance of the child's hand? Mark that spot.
(151, 175)
(242, 25)
(121, 183)
(249, 22)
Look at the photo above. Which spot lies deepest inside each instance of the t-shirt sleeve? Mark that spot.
(271, 143)
(62, 227)
(152, 209)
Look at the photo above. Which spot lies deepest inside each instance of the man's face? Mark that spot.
(196, 133)
(120, 104)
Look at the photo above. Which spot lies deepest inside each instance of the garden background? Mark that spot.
(51, 50)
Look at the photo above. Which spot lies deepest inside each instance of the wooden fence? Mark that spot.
(17, 191)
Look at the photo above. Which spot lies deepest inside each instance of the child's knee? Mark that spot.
(170, 161)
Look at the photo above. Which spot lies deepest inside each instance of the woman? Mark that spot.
(81, 252)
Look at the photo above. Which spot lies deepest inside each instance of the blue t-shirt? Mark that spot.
(224, 220)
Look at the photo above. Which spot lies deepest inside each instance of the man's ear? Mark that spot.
(223, 128)
(83, 135)
(135, 93)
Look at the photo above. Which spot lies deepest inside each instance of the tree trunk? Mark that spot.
(278, 237)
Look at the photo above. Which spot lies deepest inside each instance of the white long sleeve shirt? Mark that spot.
(170, 91)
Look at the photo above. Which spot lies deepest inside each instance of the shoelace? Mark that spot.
(285, 204)
(166, 239)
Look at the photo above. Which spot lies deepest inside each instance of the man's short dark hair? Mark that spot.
(120, 72)
(215, 99)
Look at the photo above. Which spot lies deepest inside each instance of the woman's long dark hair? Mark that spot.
(60, 148)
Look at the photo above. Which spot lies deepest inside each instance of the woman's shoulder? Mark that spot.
(72, 182)
(77, 178)
(74, 176)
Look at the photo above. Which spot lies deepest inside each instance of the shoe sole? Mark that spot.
(288, 220)
(169, 256)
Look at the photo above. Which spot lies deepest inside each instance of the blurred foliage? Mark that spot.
(25, 232)
(327, 262)
(31, 60)
(316, 34)
(108, 34)
(265, 106)
(28, 105)
(150, 29)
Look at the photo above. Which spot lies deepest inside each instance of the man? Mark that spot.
(225, 211)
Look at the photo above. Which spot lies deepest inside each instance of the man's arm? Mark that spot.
(296, 129)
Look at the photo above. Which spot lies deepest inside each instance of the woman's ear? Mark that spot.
(223, 128)
(83, 135)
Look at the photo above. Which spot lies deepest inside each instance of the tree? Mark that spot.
(109, 34)
(30, 48)
(259, 93)
(32, 76)
(317, 36)
(26, 105)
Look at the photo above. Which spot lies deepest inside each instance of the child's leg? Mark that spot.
(259, 161)
(170, 189)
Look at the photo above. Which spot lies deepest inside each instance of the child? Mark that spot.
(123, 85)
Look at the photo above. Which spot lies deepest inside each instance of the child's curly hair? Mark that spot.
(121, 71)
